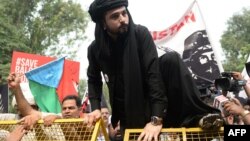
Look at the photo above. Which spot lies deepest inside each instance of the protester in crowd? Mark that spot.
(105, 117)
(235, 88)
(17, 134)
(247, 105)
(71, 108)
(18, 115)
(229, 118)
(238, 76)
(234, 107)
(114, 133)
(30, 115)
(71, 105)
(126, 55)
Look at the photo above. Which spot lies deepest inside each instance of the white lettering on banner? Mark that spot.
(23, 69)
(24, 65)
(28, 62)
(167, 33)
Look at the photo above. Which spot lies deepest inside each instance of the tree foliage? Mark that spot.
(235, 41)
(45, 27)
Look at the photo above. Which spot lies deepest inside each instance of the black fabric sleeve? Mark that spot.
(149, 59)
(94, 79)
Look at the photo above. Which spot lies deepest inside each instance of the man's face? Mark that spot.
(105, 114)
(70, 109)
(116, 21)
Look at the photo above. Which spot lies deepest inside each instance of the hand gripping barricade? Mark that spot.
(60, 130)
(76, 130)
(180, 134)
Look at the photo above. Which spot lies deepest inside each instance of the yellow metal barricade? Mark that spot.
(61, 130)
(76, 130)
(180, 134)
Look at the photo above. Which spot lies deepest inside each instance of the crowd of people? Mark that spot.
(144, 91)
(236, 109)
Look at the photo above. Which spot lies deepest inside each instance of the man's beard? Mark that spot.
(123, 30)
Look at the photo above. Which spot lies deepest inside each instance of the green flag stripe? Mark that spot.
(45, 97)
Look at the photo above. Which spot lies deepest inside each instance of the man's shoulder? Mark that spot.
(141, 30)
(139, 27)
(92, 44)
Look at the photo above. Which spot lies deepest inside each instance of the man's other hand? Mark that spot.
(150, 132)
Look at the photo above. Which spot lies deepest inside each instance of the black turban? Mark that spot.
(99, 7)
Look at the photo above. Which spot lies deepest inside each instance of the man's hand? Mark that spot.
(13, 80)
(48, 120)
(114, 132)
(234, 107)
(16, 134)
(29, 121)
(92, 117)
(150, 132)
(237, 76)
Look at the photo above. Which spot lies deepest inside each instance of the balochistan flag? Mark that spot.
(43, 83)
(188, 36)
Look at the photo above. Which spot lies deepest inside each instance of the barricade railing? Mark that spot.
(77, 130)
(60, 130)
(180, 134)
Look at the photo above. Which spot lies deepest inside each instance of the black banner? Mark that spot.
(4, 98)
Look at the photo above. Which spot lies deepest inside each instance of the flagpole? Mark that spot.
(211, 41)
(84, 95)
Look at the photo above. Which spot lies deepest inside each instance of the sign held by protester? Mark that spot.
(24, 62)
(188, 36)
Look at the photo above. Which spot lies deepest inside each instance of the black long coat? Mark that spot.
(143, 87)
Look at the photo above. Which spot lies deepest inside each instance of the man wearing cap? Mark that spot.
(126, 55)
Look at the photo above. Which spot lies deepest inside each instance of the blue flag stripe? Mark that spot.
(48, 74)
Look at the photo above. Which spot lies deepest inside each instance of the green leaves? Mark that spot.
(235, 42)
(46, 27)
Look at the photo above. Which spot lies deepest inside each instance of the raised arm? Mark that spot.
(23, 105)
